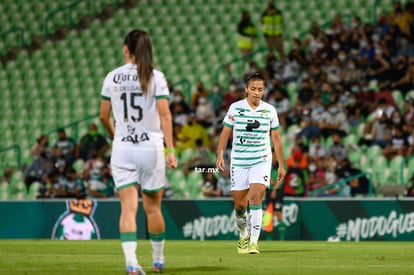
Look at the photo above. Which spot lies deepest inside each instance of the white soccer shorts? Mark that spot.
(144, 166)
(242, 177)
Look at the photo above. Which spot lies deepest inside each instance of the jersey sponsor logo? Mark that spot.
(247, 141)
(252, 125)
(135, 139)
(119, 78)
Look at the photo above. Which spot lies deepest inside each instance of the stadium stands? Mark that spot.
(60, 83)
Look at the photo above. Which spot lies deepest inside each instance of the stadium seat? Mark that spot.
(195, 182)
(178, 183)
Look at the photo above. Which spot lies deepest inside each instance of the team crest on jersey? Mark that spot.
(265, 114)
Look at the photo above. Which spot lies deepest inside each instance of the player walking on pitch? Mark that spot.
(138, 96)
(253, 123)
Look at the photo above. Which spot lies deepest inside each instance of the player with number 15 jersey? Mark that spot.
(137, 121)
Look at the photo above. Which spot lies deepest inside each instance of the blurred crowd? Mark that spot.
(350, 80)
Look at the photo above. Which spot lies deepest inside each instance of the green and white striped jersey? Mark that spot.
(251, 132)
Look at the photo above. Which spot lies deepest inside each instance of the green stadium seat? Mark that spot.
(195, 182)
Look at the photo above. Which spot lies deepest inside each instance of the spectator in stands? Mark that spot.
(41, 146)
(385, 107)
(201, 91)
(190, 132)
(359, 184)
(38, 169)
(377, 131)
(272, 28)
(398, 145)
(401, 17)
(209, 185)
(351, 73)
(201, 158)
(311, 118)
(102, 186)
(94, 142)
(379, 67)
(74, 185)
(316, 172)
(247, 33)
(297, 159)
(410, 139)
(180, 113)
(334, 121)
(216, 97)
(401, 76)
(337, 150)
(316, 149)
(410, 189)
(408, 115)
(66, 147)
(56, 180)
(204, 112)
(281, 102)
(93, 166)
(296, 177)
(353, 110)
(222, 186)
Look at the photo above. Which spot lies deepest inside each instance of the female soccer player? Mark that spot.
(253, 122)
(137, 95)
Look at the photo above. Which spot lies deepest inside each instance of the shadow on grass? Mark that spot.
(179, 270)
(290, 251)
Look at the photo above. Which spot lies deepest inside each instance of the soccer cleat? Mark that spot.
(135, 270)
(158, 267)
(253, 248)
(243, 245)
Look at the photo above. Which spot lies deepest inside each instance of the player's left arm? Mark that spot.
(277, 145)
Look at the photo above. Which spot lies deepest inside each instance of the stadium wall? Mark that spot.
(350, 220)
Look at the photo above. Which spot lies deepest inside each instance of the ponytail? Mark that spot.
(139, 45)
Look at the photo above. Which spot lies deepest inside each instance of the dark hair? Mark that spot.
(255, 77)
(139, 45)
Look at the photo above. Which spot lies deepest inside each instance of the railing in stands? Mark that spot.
(342, 182)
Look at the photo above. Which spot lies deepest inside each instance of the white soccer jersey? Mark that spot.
(251, 132)
(136, 117)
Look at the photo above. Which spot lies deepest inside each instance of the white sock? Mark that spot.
(256, 224)
(157, 251)
(241, 222)
(130, 249)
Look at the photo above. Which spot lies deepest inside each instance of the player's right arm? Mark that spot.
(105, 117)
(222, 144)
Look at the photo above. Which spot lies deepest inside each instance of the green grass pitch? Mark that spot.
(44, 257)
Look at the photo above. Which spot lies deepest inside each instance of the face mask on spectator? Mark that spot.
(202, 100)
(351, 66)
(178, 99)
(216, 89)
(336, 46)
(312, 167)
(232, 88)
(396, 120)
(342, 57)
(351, 101)
(354, 89)
(362, 43)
